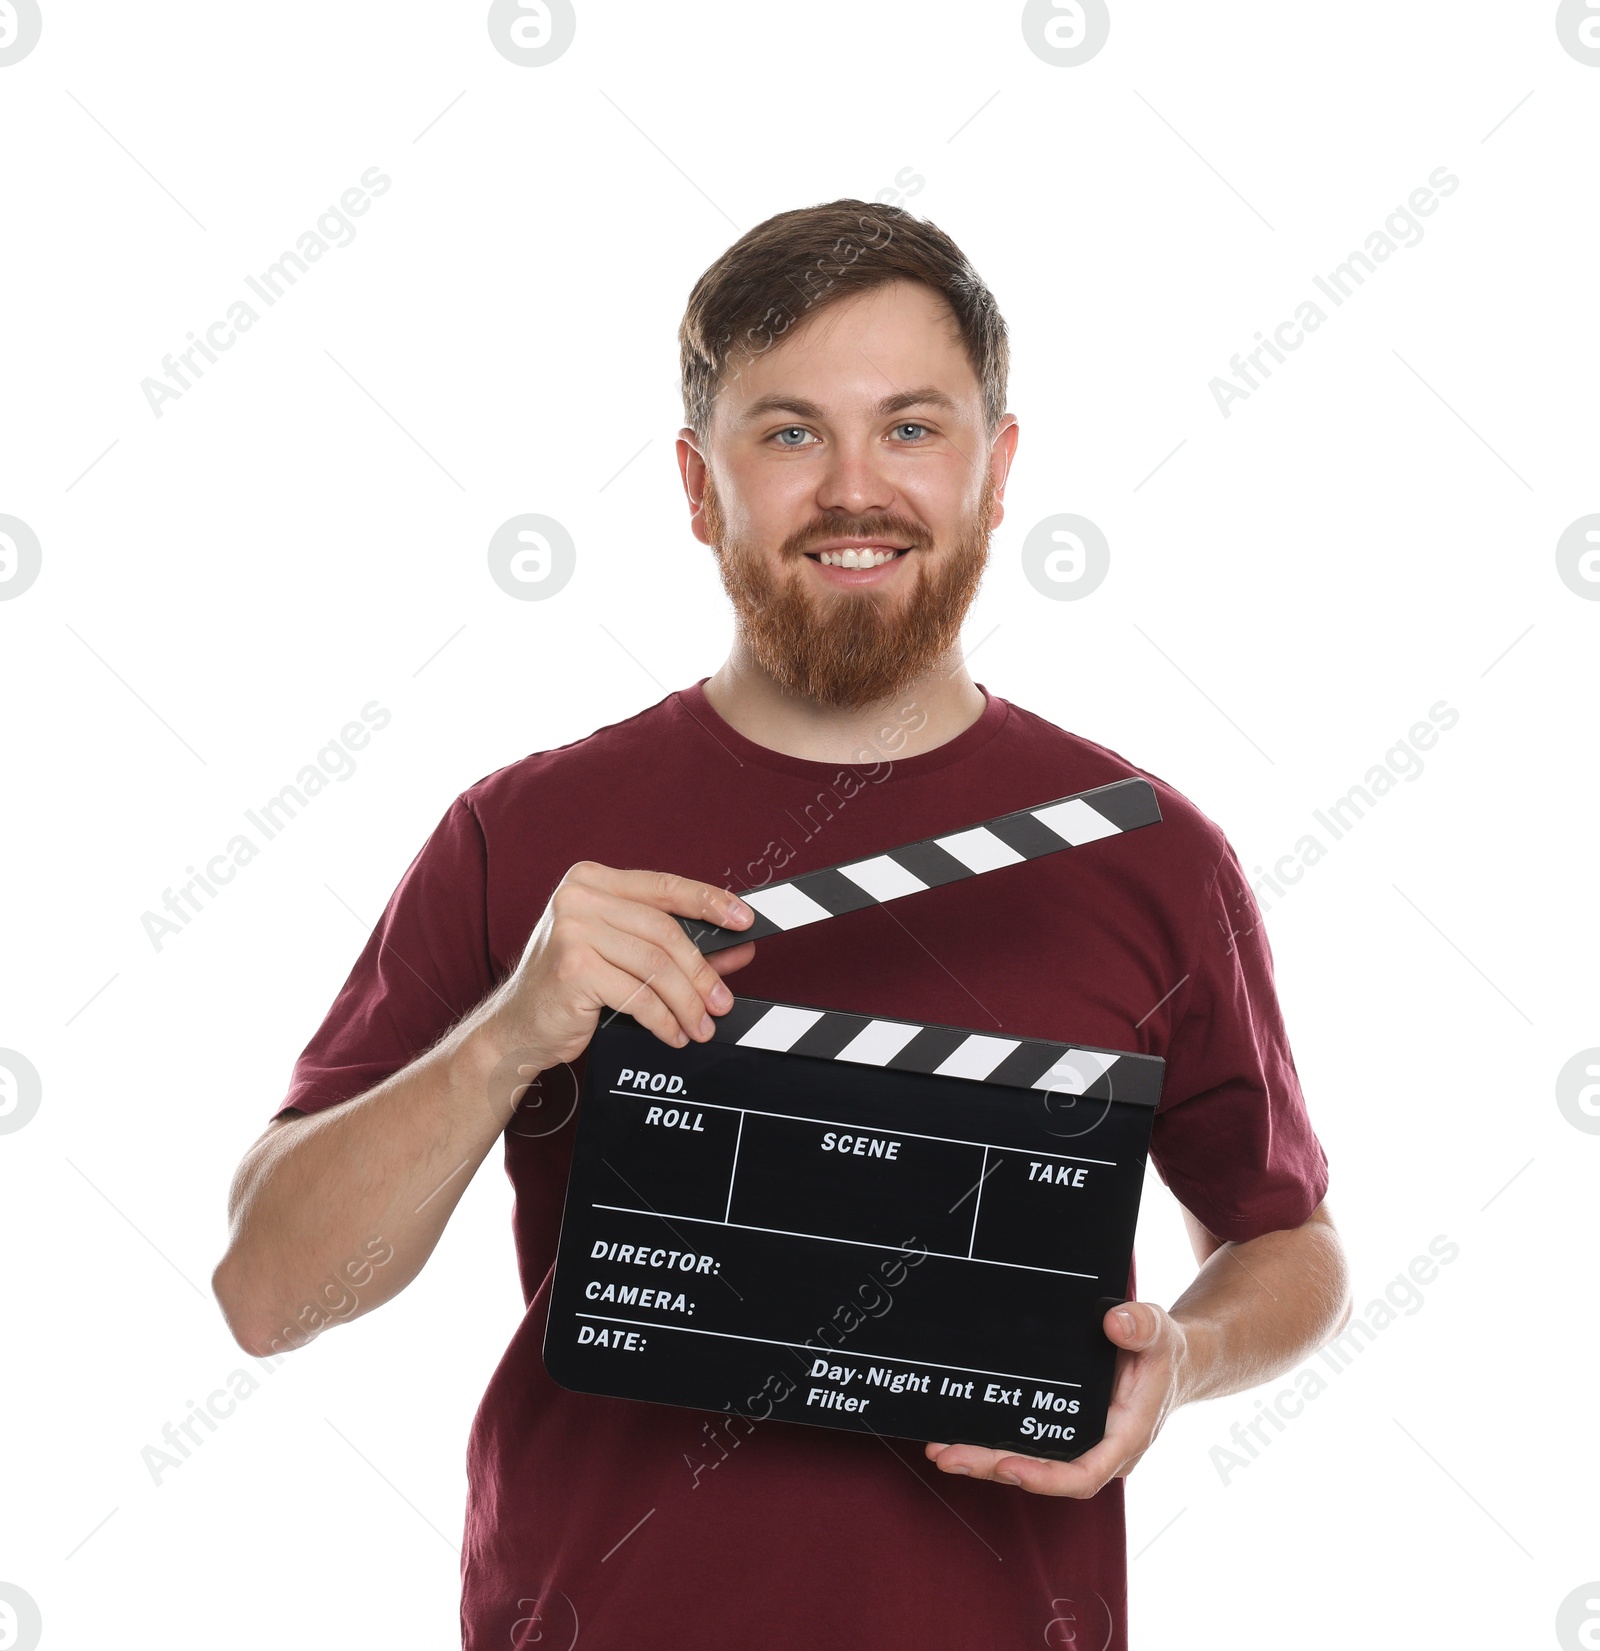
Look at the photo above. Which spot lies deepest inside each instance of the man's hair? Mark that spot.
(787, 269)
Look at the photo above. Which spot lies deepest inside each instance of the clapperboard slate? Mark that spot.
(856, 1221)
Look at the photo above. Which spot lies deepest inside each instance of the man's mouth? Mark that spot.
(858, 556)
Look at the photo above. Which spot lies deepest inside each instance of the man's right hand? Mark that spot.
(608, 940)
(388, 1166)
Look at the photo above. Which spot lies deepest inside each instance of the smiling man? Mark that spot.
(903, 469)
(844, 456)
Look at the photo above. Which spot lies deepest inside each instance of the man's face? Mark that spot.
(859, 438)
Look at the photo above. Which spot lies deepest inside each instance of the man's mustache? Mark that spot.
(895, 528)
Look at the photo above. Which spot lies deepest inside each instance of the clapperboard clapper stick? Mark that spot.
(1028, 834)
(855, 1221)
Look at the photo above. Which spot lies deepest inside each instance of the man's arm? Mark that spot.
(334, 1212)
(1253, 1311)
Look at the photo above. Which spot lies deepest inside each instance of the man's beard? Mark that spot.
(847, 648)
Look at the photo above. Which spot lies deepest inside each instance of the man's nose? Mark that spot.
(855, 481)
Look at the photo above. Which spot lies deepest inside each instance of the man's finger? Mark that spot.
(1134, 1325)
(733, 958)
(687, 897)
(656, 967)
(666, 891)
(657, 929)
(1082, 1476)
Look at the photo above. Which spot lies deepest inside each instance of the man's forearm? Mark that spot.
(316, 1193)
(317, 1197)
(1256, 1309)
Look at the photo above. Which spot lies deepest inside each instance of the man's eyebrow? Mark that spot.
(927, 396)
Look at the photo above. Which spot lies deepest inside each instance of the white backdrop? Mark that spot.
(1394, 519)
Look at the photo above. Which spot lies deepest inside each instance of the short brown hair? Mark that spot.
(784, 270)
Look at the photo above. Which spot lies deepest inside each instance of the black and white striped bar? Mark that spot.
(948, 1051)
(1028, 834)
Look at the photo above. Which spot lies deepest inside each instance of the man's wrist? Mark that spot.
(481, 1047)
(491, 1064)
(1200, 1353)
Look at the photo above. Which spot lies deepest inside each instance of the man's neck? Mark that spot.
(926, 714)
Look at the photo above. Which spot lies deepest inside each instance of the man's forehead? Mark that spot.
(878, 352)
(787, 401)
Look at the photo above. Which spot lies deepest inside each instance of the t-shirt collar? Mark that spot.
(880, 750)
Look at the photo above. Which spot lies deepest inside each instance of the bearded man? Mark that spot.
(844, 456)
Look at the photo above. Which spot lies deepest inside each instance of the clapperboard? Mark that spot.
(857, 1221)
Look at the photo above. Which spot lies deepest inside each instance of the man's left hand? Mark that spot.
(1154, 1368)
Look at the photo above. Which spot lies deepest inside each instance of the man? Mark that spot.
(845, 458)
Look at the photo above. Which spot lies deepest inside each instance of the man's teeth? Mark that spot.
(853, 558)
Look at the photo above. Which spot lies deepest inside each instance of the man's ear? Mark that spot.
(692, 468)
(1002, 452)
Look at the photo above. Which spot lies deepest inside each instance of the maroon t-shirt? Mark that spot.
(633, 1518)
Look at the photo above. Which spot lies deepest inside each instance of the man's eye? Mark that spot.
(902, 428)
(793, 430)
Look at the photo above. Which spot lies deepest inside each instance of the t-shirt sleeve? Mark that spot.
(425, 965)
(1232, 1137)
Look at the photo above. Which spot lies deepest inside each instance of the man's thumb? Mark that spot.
(1132, 1325)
